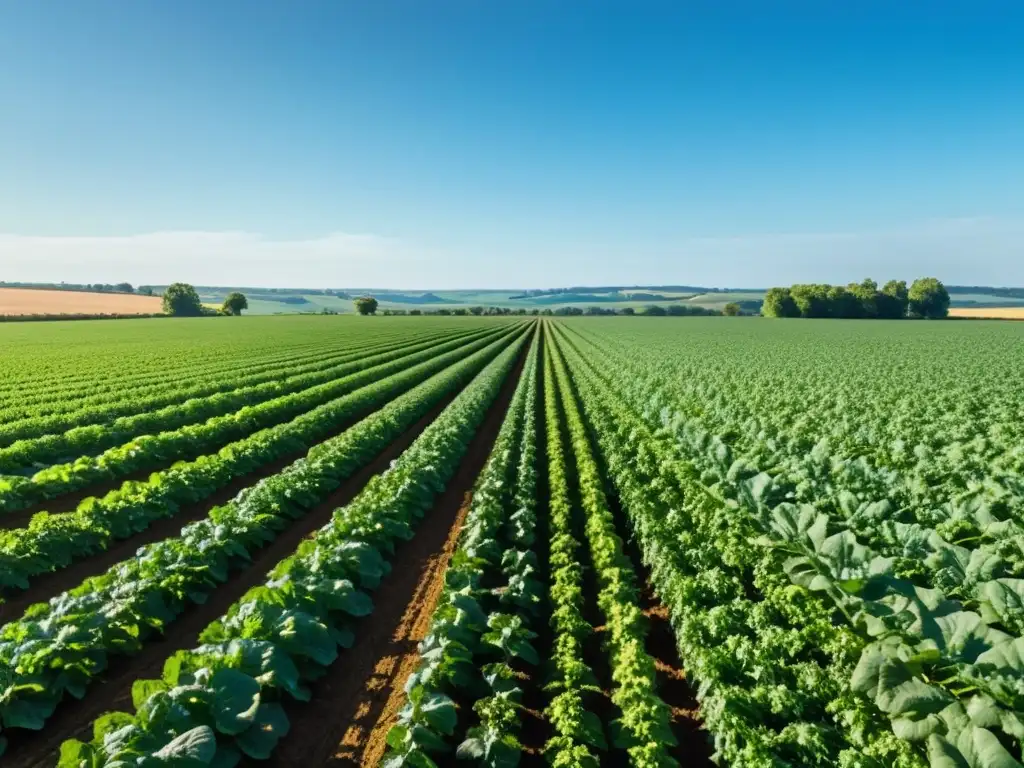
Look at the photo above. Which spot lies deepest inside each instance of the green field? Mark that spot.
(614, 541)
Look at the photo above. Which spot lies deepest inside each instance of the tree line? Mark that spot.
(182, 300)
(367, 305)
(927, 297)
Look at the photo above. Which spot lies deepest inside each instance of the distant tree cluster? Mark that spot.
(653, 310)
(926, 298)
(675, 310)
(234, 303)
(459, 311)
(181, 300)
(679, 310)
(366, 305)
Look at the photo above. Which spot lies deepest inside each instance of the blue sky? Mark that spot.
(463, 143)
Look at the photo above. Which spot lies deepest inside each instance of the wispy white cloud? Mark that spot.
(207, 258)
(969, 250)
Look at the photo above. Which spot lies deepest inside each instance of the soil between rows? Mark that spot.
(48, 585)
(73, 719)
(354, 705)
(673, 686)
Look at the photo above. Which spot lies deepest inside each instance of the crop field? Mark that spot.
(993, 312)
(30, 301)
(345, 541)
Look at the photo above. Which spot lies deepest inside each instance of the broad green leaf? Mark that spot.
(438, 711)
(27, 713)
(303, 635)
(76, 754)
(942, 754)
(268, 727)
(193, 749)
(982, 749)
(236, 700)
(143, 689)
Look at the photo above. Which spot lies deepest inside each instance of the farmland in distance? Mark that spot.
(992, 313)
(510, 541)
(32, 301)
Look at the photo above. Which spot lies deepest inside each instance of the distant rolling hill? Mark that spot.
(286, 301)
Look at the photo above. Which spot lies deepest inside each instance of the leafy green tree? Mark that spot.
(460, 311)
(893, 300)
(416, 312)
(181, 300)
(847, 302)
(778, 302)
(366, 305)
(865, 294)
(627, 311)
(655, 311)
(928, 298)
(811, 299)
(476, 310)
(732, 309)
(145, 290)
(124, 288)
(234, 303)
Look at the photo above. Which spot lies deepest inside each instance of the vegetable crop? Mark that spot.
(710, 541)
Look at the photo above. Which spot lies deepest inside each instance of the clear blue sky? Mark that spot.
(477, 143)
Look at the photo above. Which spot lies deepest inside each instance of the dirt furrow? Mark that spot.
(48, 585)
(354, 705)
(73, 719)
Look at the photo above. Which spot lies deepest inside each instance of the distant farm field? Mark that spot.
(29, 301)
(997, 313)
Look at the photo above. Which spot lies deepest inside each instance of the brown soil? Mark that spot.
(369, 726)
(355, 704)
(73, 718)
(29, 301)
(536, 730)
(694, 748)
(995, 313)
